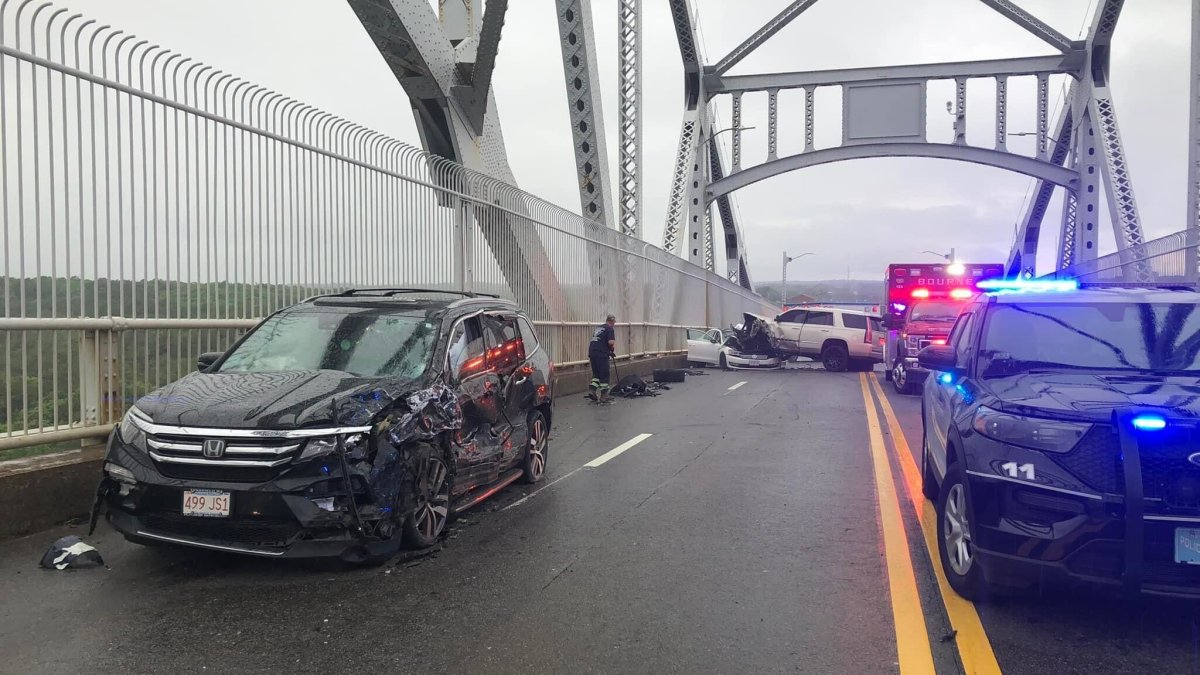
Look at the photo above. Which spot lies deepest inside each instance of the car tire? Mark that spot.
(900, 380)
(956, 537)
(533, 464)
(724, 363)
(835, 358)
(428, 520)
(929, 486)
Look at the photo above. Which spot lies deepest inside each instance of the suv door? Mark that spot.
(790, 324)
(478, 384)
(517, 390)
(818, 327)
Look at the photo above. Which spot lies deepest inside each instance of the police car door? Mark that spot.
(944, 397)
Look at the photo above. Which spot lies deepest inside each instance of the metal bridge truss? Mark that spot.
(884, 116)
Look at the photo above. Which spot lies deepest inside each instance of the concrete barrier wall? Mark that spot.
(41, 492)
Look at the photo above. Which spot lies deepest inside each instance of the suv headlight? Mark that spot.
(1029, 432)
(132, 428)
(327, 445)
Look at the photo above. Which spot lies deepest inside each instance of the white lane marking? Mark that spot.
(738, 385)
(524, 499)
(617, 450)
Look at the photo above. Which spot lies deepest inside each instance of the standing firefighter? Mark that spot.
(600, 349)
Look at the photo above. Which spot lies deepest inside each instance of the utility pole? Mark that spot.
(786, 260)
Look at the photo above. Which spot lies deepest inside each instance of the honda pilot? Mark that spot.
(346, 425)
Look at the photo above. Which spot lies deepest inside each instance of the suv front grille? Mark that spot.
(1096, 460)
(204, 453)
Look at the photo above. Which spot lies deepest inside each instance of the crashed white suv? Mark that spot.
(839, 338)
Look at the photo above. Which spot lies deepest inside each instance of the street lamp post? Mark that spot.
(786, 260)
(954, 267)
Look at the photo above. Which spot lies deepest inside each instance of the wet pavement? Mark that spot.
(744, 534)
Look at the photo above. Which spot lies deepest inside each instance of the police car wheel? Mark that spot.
(929, 486)
(956, 538)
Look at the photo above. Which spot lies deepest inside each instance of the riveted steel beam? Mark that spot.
(584, 107)
(629, 48)
(763, 34)
(1031, 23)
(1031, 65)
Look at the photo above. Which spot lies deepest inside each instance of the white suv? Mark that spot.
(839, 338)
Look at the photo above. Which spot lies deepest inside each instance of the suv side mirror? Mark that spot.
(938, 357)
(205, 360)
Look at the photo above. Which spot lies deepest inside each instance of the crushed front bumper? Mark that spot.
(277, 518)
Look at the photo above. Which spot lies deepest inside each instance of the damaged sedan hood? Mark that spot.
(284, 400)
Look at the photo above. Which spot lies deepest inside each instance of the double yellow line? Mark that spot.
(912, 636)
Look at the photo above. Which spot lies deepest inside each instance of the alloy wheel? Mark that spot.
(434, 507)
(957, 531)
(538, 439)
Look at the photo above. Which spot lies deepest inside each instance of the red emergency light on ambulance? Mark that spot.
(921, 301)
(906, 282)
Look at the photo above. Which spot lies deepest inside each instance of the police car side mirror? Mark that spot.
(205, 360)
(938, 357)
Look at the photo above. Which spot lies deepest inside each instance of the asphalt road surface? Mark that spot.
(766, 523)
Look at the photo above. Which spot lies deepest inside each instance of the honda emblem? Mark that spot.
(214, 448)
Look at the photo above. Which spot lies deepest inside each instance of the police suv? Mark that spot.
(1062, 438)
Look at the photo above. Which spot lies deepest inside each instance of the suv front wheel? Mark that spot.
(427, 522)
(956, 536)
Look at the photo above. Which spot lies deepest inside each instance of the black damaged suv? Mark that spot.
(346, 425)
(1062, 439)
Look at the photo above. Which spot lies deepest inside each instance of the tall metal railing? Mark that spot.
(1167, 260)
(154, 207)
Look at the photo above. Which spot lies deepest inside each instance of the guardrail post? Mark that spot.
(99, 378)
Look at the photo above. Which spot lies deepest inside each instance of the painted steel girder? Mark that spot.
(412, 43)
(763, 34)
(1031, 23)
(676, 225)
(587, 117)
(735, 247)
(1024, 252)
(1122, 204)
(630, 87)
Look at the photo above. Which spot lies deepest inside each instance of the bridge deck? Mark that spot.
(744, 534)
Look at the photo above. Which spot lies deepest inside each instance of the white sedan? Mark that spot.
(715, 348)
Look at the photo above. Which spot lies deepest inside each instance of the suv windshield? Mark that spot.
(1098, 336)
(363, 342)
(935, 311)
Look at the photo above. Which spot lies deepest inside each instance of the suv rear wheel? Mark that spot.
(835, 358)
(534, 464)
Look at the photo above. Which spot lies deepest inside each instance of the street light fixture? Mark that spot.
(731, 129)
(954, 267)
(786, 260)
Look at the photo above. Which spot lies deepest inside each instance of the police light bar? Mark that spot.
(1047, 285)
(1149, 423)
(961, 293)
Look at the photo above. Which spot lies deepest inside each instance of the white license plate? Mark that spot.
(207, 503)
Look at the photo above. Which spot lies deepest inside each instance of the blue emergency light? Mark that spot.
(1046, 285)
(1149, 423)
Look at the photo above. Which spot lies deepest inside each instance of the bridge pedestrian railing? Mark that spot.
(155, 207)
(1169, 260)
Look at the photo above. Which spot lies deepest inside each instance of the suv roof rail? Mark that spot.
(388, 291)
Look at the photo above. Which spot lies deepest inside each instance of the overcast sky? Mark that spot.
(855, 217)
